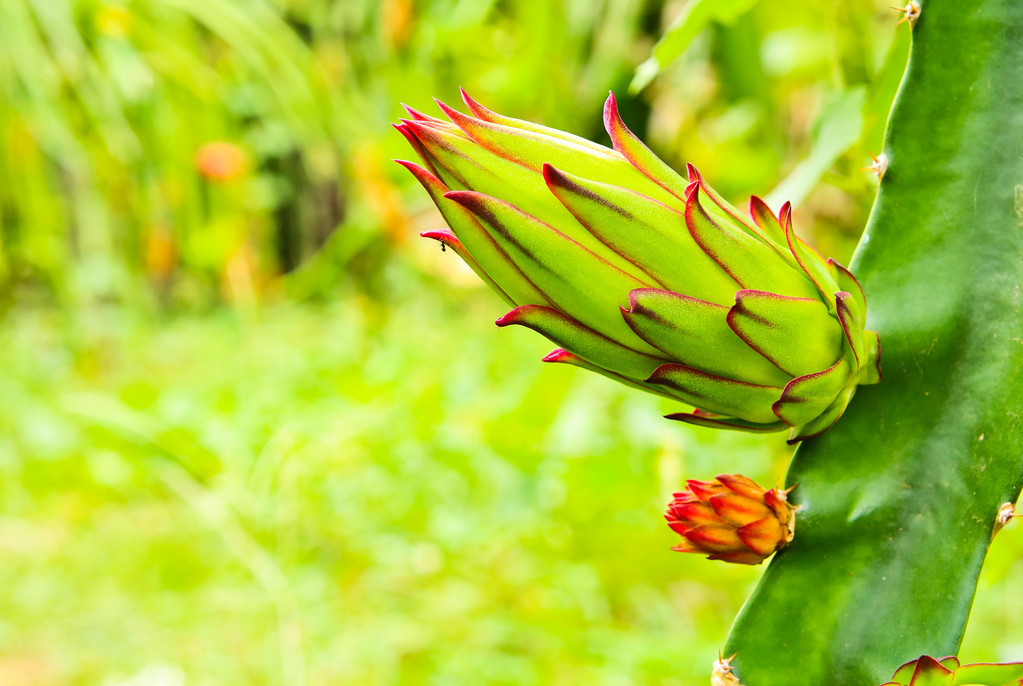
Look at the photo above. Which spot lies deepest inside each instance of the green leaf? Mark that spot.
(900, 496)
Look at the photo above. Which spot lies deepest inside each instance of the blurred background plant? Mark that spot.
(255, 432)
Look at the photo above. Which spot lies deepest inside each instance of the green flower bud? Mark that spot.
(645, 276)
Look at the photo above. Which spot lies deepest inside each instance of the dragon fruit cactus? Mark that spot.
(646, 277)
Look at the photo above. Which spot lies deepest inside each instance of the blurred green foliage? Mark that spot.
(256, 433)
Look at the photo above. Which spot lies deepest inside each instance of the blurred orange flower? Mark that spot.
(221, 161)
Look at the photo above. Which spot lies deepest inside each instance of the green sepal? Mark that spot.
(747, 259)
(725, 212)
(808, 396)
(796, 334)
(449, 240)
(652, 235)
(930, 672)
(464, 164)
(848, 283)
(715, 421)
(481, 112)
(578, 282)
(434, 121)
(719, 395)
(812, 264)
(825, 420)
(767, 221)
(533, 150)
(582, 341)
(626, 143)
(562, 356)
(872, 344)
(989, 674)
(851, 319)
(500, 271)
(904, 674)
(424, 157)
(696, 333)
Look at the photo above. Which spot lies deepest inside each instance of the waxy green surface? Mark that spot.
(900, 497)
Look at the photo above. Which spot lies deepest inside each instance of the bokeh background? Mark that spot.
(255, 431)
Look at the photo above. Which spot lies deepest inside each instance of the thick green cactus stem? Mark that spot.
(900, 497)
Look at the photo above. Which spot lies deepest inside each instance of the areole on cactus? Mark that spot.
(644, 276)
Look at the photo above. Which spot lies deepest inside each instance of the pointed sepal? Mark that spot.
(806, 397)
(697, 333)
(798, 335)
(500, 271)
(717, 394)
(583, 341)
(576, 281)
(751, 262)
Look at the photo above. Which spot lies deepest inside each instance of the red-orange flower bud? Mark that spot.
(731, 519)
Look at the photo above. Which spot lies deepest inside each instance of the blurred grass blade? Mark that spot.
(696, 16)
(838, 128)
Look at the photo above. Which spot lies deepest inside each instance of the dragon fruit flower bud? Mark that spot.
(731, 519)
(644, 276)
(928, 671)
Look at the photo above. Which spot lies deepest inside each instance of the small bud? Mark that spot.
(731, 519)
